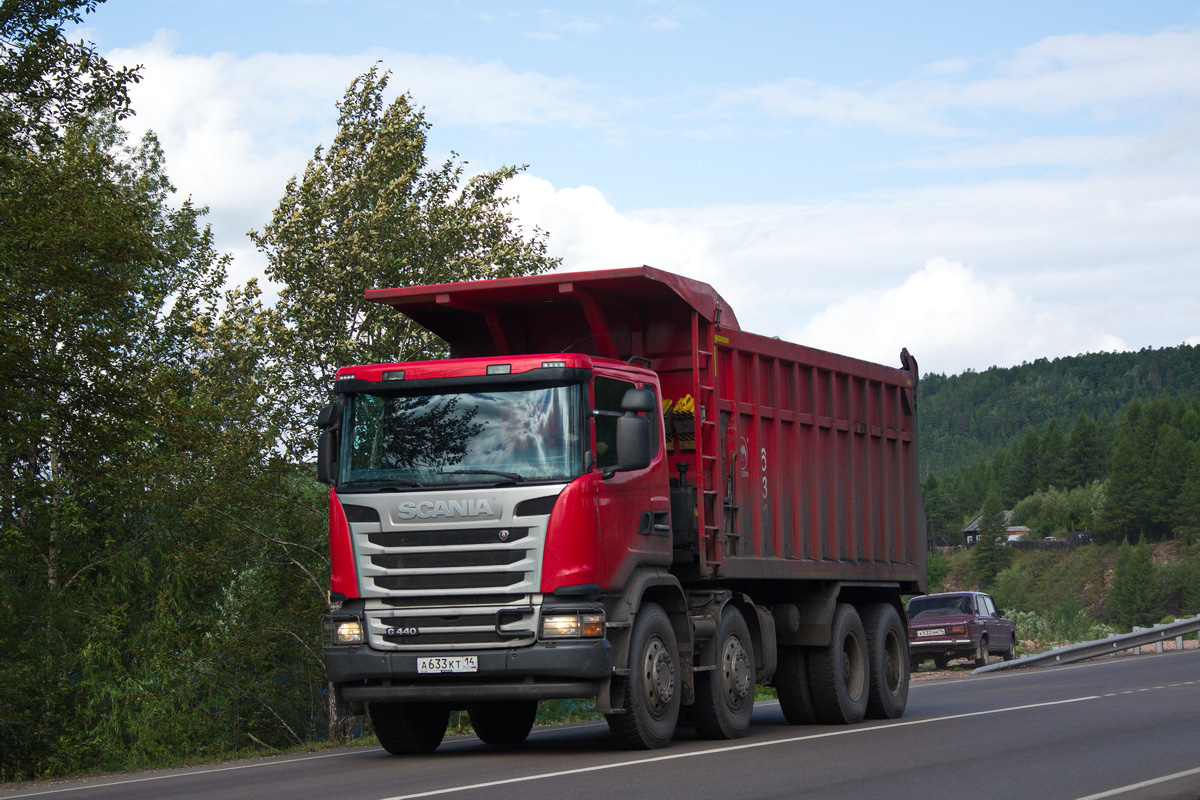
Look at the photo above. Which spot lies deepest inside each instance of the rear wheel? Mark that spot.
(839, 672)
(725, 695)
(409, 728)
(792, 686)
(652, 695)
(981, 658)
(941, 662)
(887, 649)
(503, 722)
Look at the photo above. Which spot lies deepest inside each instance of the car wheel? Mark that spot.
(981, 658)
(1011, 652)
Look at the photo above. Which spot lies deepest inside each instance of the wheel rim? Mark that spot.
(892, 660)
(852, 667)
(735, 672)
(658, 684)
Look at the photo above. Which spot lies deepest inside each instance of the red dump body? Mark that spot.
(804, 462)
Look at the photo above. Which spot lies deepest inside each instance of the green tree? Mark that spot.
(938, 512)
(48, 82)
(1136, 595)
(1169, 464)
(1054, 469)
(988, 556)
(1185, 518)
(371, 212)
(1022, 478)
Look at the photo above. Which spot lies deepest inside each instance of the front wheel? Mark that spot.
(725, 695)
(409, 728)
(652, 693)
(503, 722)
(839, 672)
(1011, 652)
(887, 649)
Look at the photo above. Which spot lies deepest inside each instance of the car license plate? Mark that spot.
(439, 664)
(932, 632)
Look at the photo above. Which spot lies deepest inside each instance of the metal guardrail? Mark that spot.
(1101, 647)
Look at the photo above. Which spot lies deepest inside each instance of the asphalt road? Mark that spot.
(1126, 728)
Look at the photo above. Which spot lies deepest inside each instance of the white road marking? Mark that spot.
(637, 762)
(188, 774)
(1135, 786)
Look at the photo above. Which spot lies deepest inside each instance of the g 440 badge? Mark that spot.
(405, 631)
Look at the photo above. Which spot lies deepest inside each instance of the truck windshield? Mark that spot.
(446, 438)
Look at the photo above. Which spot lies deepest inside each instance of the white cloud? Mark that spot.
(1054, 76)
(1062, 267)
(950, 319)
(235, 129)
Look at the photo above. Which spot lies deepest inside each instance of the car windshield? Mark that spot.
(942, 606)
(403, 441)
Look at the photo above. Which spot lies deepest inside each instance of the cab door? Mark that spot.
(633, 506)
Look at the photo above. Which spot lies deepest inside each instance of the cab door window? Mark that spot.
(607, 395)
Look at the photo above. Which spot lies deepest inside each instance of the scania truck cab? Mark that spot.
(480, 508)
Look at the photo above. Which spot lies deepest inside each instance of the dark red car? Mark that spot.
(958, 625)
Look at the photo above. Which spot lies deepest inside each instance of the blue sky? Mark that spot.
(984, 185)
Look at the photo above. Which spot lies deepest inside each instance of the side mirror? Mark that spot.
(638, 401)
(327, 457)
(329, 416)
(633, 442)
(329, 420)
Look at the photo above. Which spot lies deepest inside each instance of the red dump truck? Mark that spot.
(612, 491)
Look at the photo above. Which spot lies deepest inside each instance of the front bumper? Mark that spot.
(542, 671)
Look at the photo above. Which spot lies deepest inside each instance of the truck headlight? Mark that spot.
(342, 632)
(573, 625)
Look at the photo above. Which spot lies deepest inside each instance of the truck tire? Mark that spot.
(887, 649)
(503, 722)
(981, 658)
(725, 695)
(792, 686)
(652, 693)
(409, 728)
(840, 672)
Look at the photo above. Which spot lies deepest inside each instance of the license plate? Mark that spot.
(931, 632)
(439, 664)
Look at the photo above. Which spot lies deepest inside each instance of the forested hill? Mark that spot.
(966, 418)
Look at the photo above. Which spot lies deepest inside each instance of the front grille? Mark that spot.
(452, 627)
(451, 560)
(447, 538)
(427, 601)
(454, 580)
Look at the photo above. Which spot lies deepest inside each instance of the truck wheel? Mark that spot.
(792, 686)
(409, 728)
(503, 722)
(839, 672)
(652, 694)
(1011, 652)
(887, 651)
(725, 695)
(981, 658)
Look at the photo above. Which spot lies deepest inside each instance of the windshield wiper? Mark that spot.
(389, 485)
(512, 476)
